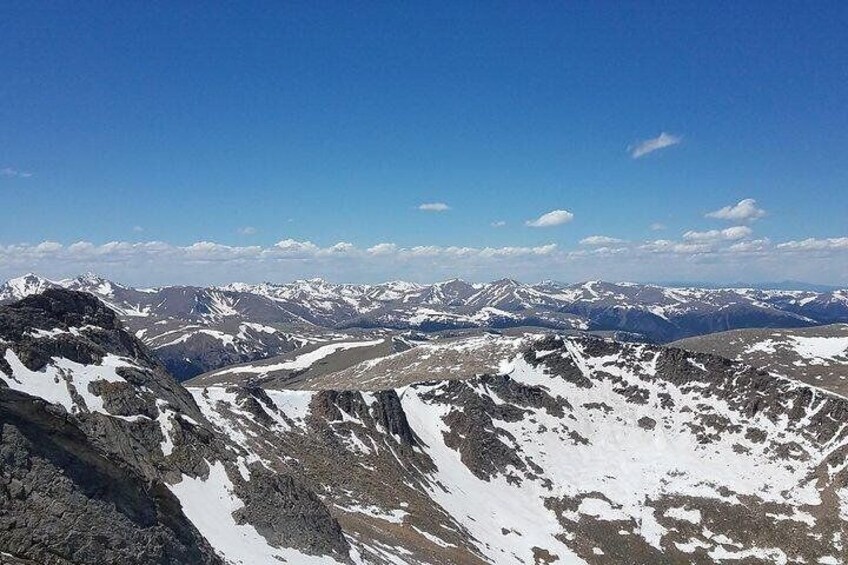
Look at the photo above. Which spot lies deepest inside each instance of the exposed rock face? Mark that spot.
(63, 501)
(97, 439)
(21, 322)
(287, 513)
(389, 413)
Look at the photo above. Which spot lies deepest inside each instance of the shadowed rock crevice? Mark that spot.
(389, 413)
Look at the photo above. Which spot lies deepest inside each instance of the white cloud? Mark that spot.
(12, 173)
(744, 211)
(293, 248)
(736, 232)
(657, 226)
(81, 247)
(751, 246)
(138, 229)
(600, 240)
(552, 218)
(247, 230)
(340, 248)
(665, 246)
(650, 145)
(382, 249)
(48, 247)
(498, 224)
(722, 255)
(434, 207)
(813, 244)
(204, 251)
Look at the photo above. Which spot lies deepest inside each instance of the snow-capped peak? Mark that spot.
(25, 285)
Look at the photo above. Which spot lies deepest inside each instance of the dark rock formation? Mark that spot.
(389, 413)
(62, 501)
(287, 513)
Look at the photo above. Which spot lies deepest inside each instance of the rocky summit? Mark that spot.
(527, 448)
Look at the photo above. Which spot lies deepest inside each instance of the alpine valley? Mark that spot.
(399, 423)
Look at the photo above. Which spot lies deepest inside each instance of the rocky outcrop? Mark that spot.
(389, 413)
(288, 514)
(63, 501)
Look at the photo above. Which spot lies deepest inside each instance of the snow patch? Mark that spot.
(210, 504)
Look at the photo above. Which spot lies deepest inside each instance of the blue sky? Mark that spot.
(326, 123)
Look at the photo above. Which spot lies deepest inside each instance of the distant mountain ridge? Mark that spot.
(196, 329)
(769, 285)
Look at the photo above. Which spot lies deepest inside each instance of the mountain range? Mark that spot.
(198, 329)
(499, 449)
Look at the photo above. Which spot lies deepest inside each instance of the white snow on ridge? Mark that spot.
(685, 514)
(639, 464)
(52, 383)
(813, 350)
(226, 339)
(765, 346)
(394, 516)
(260, 328)
(56, 332)
(303, 361)
(488, 313)
(28, 284)
(511, 508)
(308, 359)
(293, 403)
(166, 424)
(826, 348)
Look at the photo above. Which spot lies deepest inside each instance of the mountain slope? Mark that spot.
(194, 329)
(102, 452)
(575, 450)
(817, 356)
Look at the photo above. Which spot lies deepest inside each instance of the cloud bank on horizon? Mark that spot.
(734, 253)
(710, 256)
